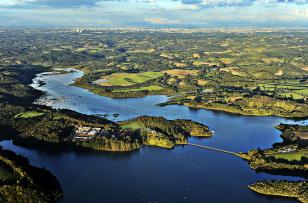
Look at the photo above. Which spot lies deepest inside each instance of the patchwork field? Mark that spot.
(180, 65)
(287, 88)
(223, 68)
(146, 88)
(128, 79)
(234, 71)
(90, 50)
(228, 60)
(180, 73)
(202, 82)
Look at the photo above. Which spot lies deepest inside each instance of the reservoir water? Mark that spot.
(183, 174)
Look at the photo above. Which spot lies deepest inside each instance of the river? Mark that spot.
(183, 174)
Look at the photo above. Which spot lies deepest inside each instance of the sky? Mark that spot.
(155, 13)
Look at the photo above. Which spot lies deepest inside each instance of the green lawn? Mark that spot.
(292, 95)
(96, 50)
(133, 125)
(92, 50)
(128, 79)
(302, 91)
(29, 114)
(297, 155)
(148, 88)
(81, 49)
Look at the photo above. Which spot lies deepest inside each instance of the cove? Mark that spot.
(183, 174)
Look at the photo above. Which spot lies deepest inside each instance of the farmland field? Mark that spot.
(181, 73)
(145, 88)
(292, 89)
(128, 79)
(29, 114)
(297, 155)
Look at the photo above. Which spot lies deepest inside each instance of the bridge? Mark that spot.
(215, 149)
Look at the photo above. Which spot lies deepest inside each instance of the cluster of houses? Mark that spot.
(287, 150)
(87, 133)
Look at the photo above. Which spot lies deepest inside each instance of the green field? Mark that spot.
(147, 88)
(133, 125)
(287, 88)
(91, 50)
(297, 155)
(128, 79)
(29, 114)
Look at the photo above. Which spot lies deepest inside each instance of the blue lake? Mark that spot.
(183, 174)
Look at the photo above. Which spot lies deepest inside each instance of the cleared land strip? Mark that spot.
(214, 149)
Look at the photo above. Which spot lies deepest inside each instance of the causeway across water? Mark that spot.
(214, 149)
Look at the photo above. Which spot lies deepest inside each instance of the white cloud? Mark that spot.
(211, 3)
(14, 2)
(122, 13)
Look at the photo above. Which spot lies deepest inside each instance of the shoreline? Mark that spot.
(276, 161)
(167, 147)
(284, 189)
(223, 109)
(233, 112)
